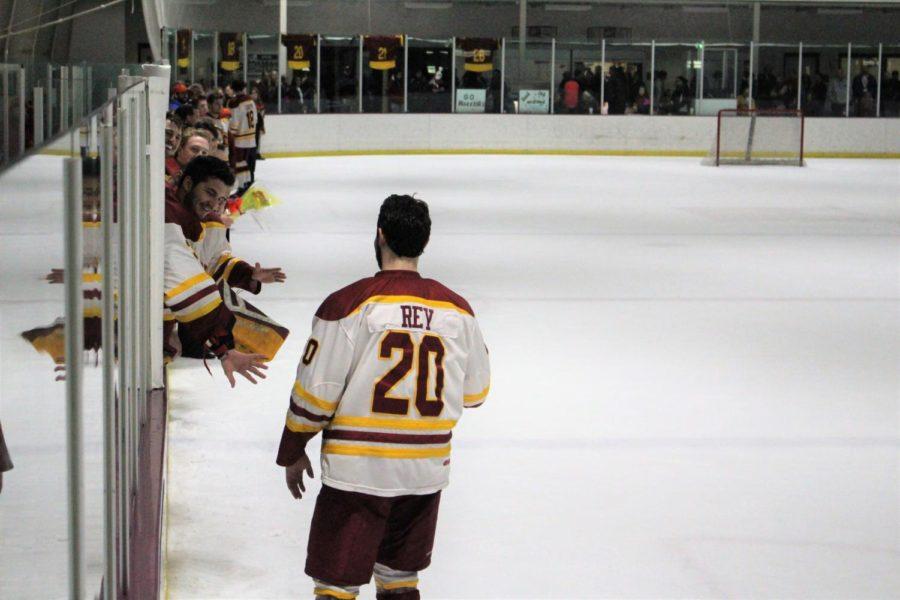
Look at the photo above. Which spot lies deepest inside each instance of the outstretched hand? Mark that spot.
(55, 276)
(273, 275)
(247, 365)
(293, 475)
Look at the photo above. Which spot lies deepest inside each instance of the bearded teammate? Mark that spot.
(391, 363)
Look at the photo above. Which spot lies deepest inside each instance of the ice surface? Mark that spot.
(696, 382)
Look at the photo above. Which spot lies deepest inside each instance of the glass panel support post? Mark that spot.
(602, 74)
(800, 78)
(405, 74)
(652, 76)
(359, 75)
(318, 73)
(878, 92)
(453, 76)
(849, 69)
(502, 75)
(552, 75)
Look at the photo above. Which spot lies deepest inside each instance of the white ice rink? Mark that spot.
(696, 381)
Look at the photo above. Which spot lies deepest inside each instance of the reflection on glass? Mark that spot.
(863, 79)
(627, 86)
(262, 70)
(673, 85)
(428, 88)
(340, 72)
(204, 46)
(478, 66)
(890, 81)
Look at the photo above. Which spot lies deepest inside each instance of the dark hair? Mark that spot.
(239, 85)
(213, 97)
(208, 124)
(171, 116)
(185, 111)
(406, 225)
(203, 168)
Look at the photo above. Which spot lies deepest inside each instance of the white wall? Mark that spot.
(447, 132)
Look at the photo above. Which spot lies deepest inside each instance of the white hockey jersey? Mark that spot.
(390, 365)
(243, 122)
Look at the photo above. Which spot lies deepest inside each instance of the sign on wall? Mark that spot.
(534, 101)
(470, 101)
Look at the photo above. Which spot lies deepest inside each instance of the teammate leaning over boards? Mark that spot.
(191, 296)
(386, 447)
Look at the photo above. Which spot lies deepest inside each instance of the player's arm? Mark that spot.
(194, 300)
(477, 381)
(317, 390)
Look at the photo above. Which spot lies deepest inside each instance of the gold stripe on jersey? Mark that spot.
(383, 423)
(186, 285)
(244, 135)
(91, 277)
(467, 398)
(300, 427)
(408, 299)
(214, 224)
(383, 452)
(203, 310)
(318, 402)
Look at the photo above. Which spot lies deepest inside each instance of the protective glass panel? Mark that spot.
(890, 81)
(340, 74)
(627, 87)
(577, 78)
(478, 65)
(383, 74)
(677, 66)
(863, 79)
(528, 77)
(262, 70)
(428, 88)
(298, 86)
(33, 527)
(203, 59)
(818, 79)
(776, 82)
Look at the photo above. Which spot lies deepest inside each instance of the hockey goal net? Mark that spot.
(758, 137)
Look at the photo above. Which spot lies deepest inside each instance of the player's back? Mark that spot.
(409, 356)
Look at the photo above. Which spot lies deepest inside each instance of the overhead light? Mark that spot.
(568, 7)
(429, 5)
(291, 3)
(705, 9)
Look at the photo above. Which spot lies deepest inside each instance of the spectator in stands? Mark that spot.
(202, 105)
(194, 142)
(659, 86)
(641, 102)
(616, 91)
(570, 93)
(179, 95)
(837, 93)
(890, 95)
(818, 96)
(681, 96)
(766, 87)
(864, 93)
(743, 100)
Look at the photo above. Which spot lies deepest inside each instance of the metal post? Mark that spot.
(702, 71)
(215, 59)
(134, 255)
(77, 74)
(523, 32)
(191, 55)
(21, 87)
(282, 50)
(552, 75)
(318, 73)
(49, 107)
(849, 68)
(453, 76)
(652, 76)
(750, 77)
(602, 74)
(800, 78)
(74, 332)
(359, 74)
(89, 88)
(63, 98)
(4, 96)
(878, 94)
(406, 75)
(38, 114)
(124, 340)
(107, 321)
(502, 75)
(246, 51)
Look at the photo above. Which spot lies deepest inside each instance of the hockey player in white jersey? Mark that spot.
(242, 134)
(391, 363)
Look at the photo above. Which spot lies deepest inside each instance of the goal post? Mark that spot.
(758, 137)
